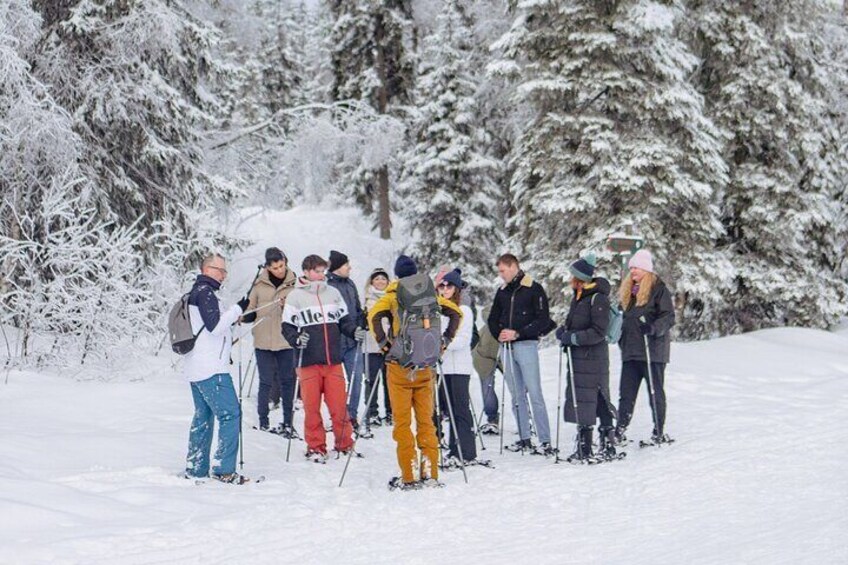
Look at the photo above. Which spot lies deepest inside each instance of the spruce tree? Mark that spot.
(618, 135)
(449, 188)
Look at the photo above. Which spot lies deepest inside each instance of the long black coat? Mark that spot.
(659, 313)
(588, 318)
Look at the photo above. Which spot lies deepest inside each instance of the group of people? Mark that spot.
(314, 338)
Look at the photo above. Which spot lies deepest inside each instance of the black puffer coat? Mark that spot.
(588, 318)
(659, 313)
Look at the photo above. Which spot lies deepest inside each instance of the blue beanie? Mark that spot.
(584, 268)
(405, 267)
(453, 277)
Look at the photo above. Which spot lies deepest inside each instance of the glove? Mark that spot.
(359, 334)
(302, 341)
(243, 303)
(385, 347)
(560, 331)
(646, 328)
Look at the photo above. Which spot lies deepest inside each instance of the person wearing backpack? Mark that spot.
(314, 319)
(518, 319)
(339, 278)
(375, 289)
(585, 335)
(412, 347)
(456, 370)
(207, 368)
(648, 315)
(274, 356)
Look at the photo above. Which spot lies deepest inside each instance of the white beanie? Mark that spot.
(642, 260)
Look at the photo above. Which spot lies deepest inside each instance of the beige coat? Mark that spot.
(268, 335)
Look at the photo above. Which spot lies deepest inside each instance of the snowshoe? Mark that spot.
(388, 420)
(490, 429)
(432, 483)
(545, 449)
(345, 452)
(480, 463)
(316, 456)
(288, 432)
(620, 437)
(396, 483)
(451, 464)
(374, 421)
(264, 428)
(656, 441)
(231, 478)
(521, 445)
(365, 434)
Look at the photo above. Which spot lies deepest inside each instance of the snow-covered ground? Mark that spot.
(756, 475)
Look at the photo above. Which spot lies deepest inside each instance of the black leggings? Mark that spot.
(460, 402)
(632, 374)
(376, 364)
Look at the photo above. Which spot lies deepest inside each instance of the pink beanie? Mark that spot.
(642, 260)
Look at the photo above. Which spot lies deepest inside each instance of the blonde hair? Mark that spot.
(645, 288)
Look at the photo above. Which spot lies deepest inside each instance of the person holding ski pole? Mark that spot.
(274, 356)
(314, 319)
(413, 347)
(456, 371)
(645, 344)
(207, 368)
(518, 319)
(339, 278)
(584, 337)
(375, 289)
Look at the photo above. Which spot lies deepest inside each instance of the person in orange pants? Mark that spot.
(314, 318)
(408, 396)
(411, 392)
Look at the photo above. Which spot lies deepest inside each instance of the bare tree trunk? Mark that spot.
(383, 203)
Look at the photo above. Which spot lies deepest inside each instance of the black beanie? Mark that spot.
(273, 254)
(337, 260)
(405, 267)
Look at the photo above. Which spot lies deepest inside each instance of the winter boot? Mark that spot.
(620, 437)
(520, 446)
(545, 449)
(583, 451)
(606, 443)
(490, 429)
(375, 421)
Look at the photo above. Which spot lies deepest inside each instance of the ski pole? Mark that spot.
(356, 436)
(651, 382)
(559, 404)
(259, 309)
(477, 425)
(454, 429)
(438, 407)
(511, 354)
(574, 398)
(367, 378)
(503, 399)
(241, 415)
(250, 386)
(296, 386)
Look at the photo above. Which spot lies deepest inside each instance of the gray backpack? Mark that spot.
(179, 327)
(419, 340)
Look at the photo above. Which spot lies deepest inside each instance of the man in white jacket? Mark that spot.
(207, 368)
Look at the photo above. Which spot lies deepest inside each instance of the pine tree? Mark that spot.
(767, 86)
(450, 194)
(619, 134)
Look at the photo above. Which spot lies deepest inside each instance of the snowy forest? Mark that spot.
(131, 130)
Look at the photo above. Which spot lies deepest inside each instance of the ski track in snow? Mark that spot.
(756, 474)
